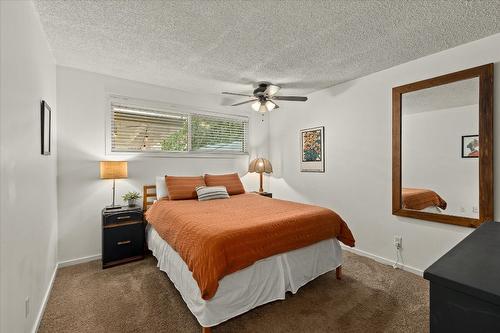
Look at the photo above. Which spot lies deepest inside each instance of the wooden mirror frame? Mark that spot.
(485, 75)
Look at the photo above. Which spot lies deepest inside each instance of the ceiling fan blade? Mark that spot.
(290, 98)
(252, 100)
(272, 90)
(236, 94)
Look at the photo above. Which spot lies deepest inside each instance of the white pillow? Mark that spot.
(161, 187)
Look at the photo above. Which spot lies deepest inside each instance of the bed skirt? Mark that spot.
(265, 281)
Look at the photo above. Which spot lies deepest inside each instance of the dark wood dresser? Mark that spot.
(465, 284)
(122, 236)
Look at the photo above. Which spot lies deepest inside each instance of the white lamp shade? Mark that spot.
(272, 89)
(256, 106)
(262, 108)
(270, 105)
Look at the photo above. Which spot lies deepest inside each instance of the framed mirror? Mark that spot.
(442, 148)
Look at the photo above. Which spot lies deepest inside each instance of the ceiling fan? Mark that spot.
(264, 97)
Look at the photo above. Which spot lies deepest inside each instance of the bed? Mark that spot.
(422, 199)
(216, 292)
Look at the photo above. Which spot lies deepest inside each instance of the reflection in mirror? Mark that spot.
(440, 149)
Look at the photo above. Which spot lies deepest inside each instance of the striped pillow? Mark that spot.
(181, 188)
(211, 192)
(231, 181)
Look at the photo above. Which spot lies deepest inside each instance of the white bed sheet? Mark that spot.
(265, 281)
(430, 209)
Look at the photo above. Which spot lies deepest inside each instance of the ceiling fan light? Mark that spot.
(270, 105)
(272, 89)
(256, 106)
(262, 108)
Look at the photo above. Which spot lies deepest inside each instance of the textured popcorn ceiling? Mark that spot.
(446, 96)
(211, 46)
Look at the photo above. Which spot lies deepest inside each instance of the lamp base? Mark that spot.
(261, 188)
(111, 207)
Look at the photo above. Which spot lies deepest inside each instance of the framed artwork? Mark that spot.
(312, 149)
(45, 116)
(470, 146)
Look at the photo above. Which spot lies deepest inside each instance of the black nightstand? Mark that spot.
(122, 236)
(265, 194)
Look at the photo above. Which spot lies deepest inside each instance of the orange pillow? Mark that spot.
(180, 188)
(231, 181)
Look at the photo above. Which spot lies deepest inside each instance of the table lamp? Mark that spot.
(113, 170)
(260, 165)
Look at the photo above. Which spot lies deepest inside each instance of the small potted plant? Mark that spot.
(131, 197)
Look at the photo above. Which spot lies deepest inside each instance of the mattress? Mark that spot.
(265, 281)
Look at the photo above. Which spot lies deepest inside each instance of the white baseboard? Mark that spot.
(383, 260)
(44, 301)
(49, 289)
(76, 261)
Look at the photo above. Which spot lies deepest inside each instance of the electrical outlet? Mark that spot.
(26, 307)
(398, 242)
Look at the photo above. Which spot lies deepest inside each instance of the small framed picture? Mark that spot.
(46, 119)
(312, 149)
(470, 146)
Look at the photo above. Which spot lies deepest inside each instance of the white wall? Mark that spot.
(82, 100)
(28, 191)
(357, 182)
(432, 159)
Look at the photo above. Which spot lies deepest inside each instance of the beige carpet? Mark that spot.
(137, 297)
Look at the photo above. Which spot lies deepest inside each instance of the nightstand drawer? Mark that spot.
(122, 242)
(124, 217)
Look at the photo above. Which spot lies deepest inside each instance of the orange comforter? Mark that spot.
(219, 237)
(420, 198)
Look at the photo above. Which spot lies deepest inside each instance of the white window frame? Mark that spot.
(169, 108)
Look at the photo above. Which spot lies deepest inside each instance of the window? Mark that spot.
(138, 129)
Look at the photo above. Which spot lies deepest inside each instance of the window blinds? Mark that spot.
(135, 129)
(214, 134)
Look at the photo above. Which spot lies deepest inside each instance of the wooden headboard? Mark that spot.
(148, 196)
